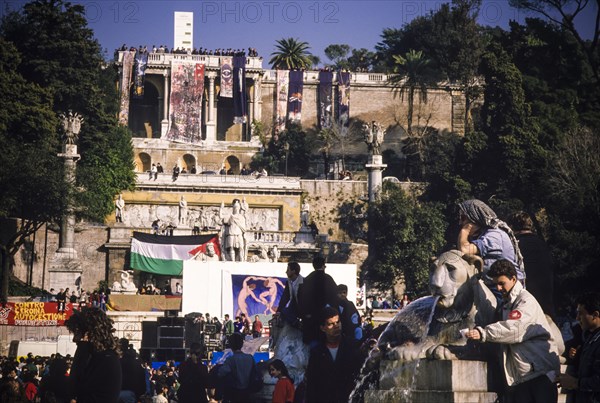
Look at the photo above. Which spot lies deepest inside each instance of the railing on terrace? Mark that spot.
(208, 60)
(281, 239)
(220, 181)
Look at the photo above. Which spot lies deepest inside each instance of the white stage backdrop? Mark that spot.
(215, 287)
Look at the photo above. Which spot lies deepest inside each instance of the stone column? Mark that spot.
(211, 126)
(375, 166)
(65, 266)
(164, 125)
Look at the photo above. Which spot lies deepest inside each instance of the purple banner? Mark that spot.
(295, 96)
(325, 102)
(187, 86)
(141, 62)
(226, 77)
(128, 59)
(344, 98)
(256, 295)
(240, 113)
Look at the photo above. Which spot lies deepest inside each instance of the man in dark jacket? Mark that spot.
(349, 316)
(317, 291)
(133, 384)
(288, 310)
(193, 377)
(586, 382)
(333, 364)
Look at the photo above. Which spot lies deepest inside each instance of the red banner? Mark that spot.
(34, 314)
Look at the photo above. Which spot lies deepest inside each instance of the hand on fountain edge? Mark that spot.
(473, 334)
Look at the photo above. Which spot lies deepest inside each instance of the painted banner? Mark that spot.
(240, 112)
(141, 62)
(282, 99)
(325, 104)
(128, 60)
(226, 77)
(256, 295)
(161, 254)
(34, 314)
(344, 98)
(294, 106)
(187, 86)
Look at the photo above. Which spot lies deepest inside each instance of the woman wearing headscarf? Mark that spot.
(483, 233)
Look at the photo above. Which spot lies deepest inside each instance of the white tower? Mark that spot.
(184, 30)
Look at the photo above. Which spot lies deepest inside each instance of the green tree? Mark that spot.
(60, 67)
(361, 60)
(414, 76)
(59, 53)
(564, 13)
(406, 233)
(291, 54)
(513, 160)
(274, 155)
(338, 55)
(31, 178)
(451, 39)
(326, 142)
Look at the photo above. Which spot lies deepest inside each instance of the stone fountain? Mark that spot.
(421, 356)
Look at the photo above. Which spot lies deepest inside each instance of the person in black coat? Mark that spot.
(288, 310)
(334, 363)
(316, 292)
(539, 265)
(96, 371)
(585, 381)
(193, 377)
(133, 384)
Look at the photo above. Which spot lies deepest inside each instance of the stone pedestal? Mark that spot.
(432, 381)
(305, 235)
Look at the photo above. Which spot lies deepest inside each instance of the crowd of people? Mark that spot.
(106, 369)
(251, 52)
(96, 299)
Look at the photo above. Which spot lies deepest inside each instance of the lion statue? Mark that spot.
(462, 301)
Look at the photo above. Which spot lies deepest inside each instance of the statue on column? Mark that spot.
(119, 206)
(72, 126)
(234, 231)
(373, 135)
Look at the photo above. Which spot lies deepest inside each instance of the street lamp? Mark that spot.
(286, 147)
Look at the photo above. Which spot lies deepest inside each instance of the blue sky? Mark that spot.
(258, 24)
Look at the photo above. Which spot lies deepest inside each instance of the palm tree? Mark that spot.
(413, 73)
(291, 54)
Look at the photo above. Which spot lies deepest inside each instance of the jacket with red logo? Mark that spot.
(528, 349)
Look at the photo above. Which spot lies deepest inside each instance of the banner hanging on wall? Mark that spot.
(187, 86)
(128, 60)
(34, 314)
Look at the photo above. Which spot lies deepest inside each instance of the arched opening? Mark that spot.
(232, 164)
(143, 112)
(143, 162)
(189, 162)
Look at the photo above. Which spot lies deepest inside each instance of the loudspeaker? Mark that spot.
(171, 336)
(170, 321)
(149, 335)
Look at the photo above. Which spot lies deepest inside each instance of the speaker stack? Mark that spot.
(163, 340)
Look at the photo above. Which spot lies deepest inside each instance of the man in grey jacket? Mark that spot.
(530, 355)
